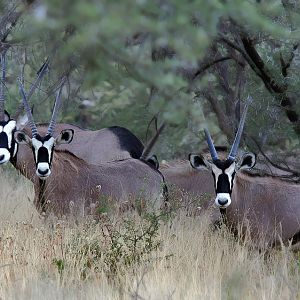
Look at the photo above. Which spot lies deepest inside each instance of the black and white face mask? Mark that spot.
(224, 172)
(8, 147)
(43, 148)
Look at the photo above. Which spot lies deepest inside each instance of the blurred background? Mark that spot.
(191, 63)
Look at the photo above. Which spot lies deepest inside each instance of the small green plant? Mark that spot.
(132, 243)
(123, 245)
(59, 263)
(105, 205)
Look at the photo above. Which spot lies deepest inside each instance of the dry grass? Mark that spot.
(88, 260)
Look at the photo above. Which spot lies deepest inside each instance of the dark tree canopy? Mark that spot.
(192, 63)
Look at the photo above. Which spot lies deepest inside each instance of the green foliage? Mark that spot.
(111, 248)
(107, 48)
(59, 263)
(132, 244)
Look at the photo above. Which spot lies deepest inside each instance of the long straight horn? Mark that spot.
(211, 147)
(40, 74)
(150, 145)
(27, 108)
(2, 89)
(238, 135)
(57, 103)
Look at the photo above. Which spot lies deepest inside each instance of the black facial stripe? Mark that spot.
(3, 123)
(43, 155)
(223, 164)
(223, 185)
(46, 138)
(214, 176)
(51, 156)
(43, 139)
(3, 140)
(33, 151)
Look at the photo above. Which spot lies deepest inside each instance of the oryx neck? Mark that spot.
(223, 212)
(41, 205)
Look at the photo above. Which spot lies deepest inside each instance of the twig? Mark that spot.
(209, 65)
(288, 170)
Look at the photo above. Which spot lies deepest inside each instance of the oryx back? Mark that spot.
(266, 207)
(124, 184)
(99, 146)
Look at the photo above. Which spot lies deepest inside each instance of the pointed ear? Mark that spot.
(22, 121)
(6, 116)
(22, 138)
(247, 161)
(153, 161)
(199, 162)
(65, 137)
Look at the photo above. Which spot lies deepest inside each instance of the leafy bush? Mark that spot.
(115, 247)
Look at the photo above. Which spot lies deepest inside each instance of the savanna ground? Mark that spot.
(130, 257)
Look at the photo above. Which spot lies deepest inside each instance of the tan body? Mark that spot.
(268, 207)
(100, 145)
(189, 188)
(75, 182)
(180, 174)
(81, 177)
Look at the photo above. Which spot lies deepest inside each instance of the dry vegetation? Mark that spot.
(130, 257)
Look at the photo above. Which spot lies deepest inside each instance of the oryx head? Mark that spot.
(8, 125)
(43, 146)
(8, 147)
(224, 170)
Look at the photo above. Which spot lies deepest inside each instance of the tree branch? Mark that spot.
(258, 66)
(9, 21)
(219, 111)
(285, 65)
(257, 60)
(294, 173)
(204, 67)
(252, 65)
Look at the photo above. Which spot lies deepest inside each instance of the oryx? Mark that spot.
(266, 207)
(189, 188)
(224, 170)
(76, 181)
(108, 144)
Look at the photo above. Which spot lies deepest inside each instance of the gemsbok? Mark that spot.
(75, 182)
(189, 189)
(266, 207)
(107, 144)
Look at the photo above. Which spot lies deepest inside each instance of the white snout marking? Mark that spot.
(6, 156)
(223, 197)
(43, 167)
